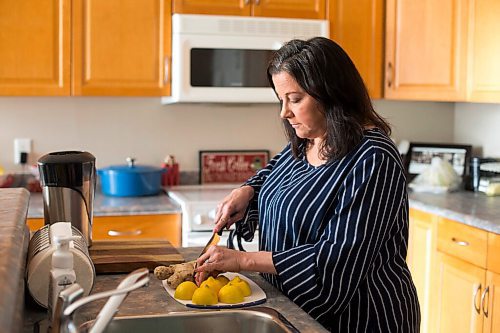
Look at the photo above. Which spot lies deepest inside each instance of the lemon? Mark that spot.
(185, 290)
(212, 283)
(230, 294)
(236, 279)
(243, 285)
(223, 280)
(204, 295)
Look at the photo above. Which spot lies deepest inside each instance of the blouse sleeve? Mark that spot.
(247, 226)
(323, 277)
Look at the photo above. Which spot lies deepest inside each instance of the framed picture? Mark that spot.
(230, 166)
(420, 155)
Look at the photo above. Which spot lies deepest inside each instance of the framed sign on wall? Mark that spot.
(230, 166)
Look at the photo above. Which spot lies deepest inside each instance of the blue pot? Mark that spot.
(130, 180)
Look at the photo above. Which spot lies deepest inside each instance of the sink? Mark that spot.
(256, 319)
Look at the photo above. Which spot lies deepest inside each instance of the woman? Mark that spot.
(332, 207)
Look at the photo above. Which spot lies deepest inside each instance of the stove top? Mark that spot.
(200, 193)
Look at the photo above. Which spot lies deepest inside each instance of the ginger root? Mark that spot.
(176, 274)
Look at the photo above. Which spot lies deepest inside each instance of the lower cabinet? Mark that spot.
(422, 261)
(127, 227)
(456, 270)
(490, 303)
(459, 289)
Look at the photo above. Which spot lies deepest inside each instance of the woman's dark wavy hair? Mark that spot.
(325, 71)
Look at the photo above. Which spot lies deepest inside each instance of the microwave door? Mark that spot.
(214, 69)
(221, 67)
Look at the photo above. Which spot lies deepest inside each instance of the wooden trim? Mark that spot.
(493, 262)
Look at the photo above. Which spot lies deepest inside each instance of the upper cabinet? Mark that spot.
(35, 47)
(121, 47)
(85, 47)
(358, 26)
(484, 65)
(426, 49)
(308, 9)
(443, 50)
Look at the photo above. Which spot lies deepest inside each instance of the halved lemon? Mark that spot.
(185, 290)
(230, 294)
(204, 296)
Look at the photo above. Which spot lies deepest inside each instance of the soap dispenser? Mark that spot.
(62, 272)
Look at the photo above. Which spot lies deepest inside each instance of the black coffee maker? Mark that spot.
(68, 180)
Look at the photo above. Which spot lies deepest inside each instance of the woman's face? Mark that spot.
(301, 110)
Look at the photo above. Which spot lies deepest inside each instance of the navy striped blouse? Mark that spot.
(338, 233)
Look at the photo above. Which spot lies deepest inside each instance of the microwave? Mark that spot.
(223, 59)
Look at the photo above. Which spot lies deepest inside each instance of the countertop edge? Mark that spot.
(467, 219)
(14, 239)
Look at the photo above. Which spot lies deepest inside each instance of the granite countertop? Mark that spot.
(14, 239)
(112, 206)
(474, 209)
(154, 300)
(471, 208)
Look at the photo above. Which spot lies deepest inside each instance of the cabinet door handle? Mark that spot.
(115, 233)
(257, 2)
(459, 242)
(389, 74)
(483, 297)
(166, 70)
(247, 2)
(477, 308)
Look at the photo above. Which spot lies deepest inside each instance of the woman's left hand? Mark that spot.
(217, 259)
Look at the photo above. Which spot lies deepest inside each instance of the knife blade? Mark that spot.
(214, 240)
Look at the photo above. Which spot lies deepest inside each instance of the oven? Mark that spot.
(199, 205)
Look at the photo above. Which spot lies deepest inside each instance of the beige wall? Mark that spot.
(114, 128)
(479, 125)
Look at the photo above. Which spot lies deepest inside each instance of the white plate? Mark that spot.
(258, 295)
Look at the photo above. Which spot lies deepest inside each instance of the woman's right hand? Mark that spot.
(232, 208)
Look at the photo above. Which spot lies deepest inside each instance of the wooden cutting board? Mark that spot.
(128, 255)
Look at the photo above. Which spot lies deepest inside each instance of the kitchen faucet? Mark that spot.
(69, 300)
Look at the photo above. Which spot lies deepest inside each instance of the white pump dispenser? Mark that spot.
(62, 273)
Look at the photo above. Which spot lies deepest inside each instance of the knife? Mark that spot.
(212, 241)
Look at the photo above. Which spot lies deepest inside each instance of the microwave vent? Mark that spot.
(269, 28)
(248, 26)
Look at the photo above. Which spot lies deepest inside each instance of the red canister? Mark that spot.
(171, 177)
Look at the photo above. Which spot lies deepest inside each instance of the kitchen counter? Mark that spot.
(14, 238)
(474, 209)
(471, 208)
(155, 300)
(112, 206)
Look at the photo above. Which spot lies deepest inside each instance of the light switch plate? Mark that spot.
(21, 145)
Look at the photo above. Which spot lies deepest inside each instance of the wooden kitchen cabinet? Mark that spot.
(422, 261)
(34, 224)
(492, 296)
(490, 303)
(459, 288)
(426, 50)
(127, 227)
(35, 47)
(121, 47)
(359, 27)
(85, 48)
(456, 271)
(484, 67)
(165, 227)
(468, 279)
(308, 9)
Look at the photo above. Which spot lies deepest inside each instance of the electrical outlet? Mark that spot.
(21, 146)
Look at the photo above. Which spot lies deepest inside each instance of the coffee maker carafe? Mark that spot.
(68, 185)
